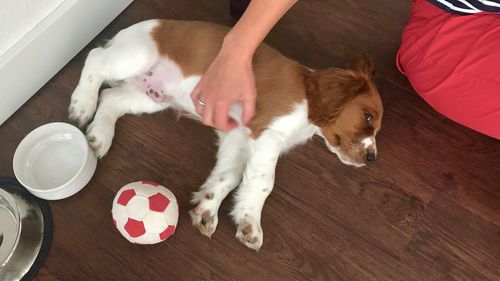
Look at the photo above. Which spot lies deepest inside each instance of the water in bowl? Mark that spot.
(54, 161)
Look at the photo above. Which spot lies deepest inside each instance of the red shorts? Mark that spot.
(453, 62)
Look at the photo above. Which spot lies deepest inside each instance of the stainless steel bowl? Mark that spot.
(10, 226)
(23, 232)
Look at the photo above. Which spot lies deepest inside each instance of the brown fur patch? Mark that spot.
(194, 45)
(330, 90)
(280, 87)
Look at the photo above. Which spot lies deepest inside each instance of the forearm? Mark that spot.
(254, 25)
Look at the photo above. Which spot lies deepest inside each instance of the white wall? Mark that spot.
(18, 17)
(42, 52)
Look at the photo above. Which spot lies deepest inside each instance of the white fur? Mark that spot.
(241, 160)
(370, 144)
(258, 158)
(367, 142)
(344, 159)
(114, 103)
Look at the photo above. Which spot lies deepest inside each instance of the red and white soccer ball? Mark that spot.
(145, 212)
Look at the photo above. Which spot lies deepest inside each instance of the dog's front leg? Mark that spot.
(231, 159)
(257, 184)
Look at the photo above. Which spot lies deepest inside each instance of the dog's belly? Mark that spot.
(164, 83)
(161, 81)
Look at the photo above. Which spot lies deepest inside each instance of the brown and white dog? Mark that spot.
(155, 64)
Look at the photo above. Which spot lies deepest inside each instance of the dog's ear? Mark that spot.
(329, 90)
(364, 64)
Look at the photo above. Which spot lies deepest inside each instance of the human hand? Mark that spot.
(228, 80)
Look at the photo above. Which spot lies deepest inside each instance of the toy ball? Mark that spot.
(145, 212)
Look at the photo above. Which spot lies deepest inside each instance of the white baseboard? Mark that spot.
(39, 55)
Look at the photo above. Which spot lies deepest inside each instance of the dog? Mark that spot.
(155, 64)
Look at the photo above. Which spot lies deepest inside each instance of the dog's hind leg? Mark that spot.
(131, 52)
(226, 175)
(114, 103)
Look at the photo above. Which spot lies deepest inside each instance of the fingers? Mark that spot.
(222, 120)
(198, 107)
(203, 106)
(212, 113)
(213, 108)
(195, 94)
(195, 97)
(207, 113)
(216, 114)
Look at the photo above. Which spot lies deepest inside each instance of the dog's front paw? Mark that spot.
(204, 214)
(83, 106)
(100, 136)
(250, 233)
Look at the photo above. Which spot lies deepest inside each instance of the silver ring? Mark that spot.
(200, 102)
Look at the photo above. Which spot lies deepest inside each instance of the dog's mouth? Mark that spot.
(349, 162)
(343, 157)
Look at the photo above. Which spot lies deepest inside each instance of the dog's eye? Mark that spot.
(369, 117)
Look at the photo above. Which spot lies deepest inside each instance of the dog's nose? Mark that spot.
(370, 158)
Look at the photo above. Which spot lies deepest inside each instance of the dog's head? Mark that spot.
(346, 107)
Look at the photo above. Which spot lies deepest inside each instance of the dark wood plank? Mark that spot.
(427, 210)
(456, 245)
(45, 275)
(332, 33)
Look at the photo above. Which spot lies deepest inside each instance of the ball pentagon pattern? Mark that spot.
(145, 212)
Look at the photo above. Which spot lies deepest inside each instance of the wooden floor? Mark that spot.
(429, 209)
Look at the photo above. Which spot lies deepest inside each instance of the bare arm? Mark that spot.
(255, 24)
(230, 77)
